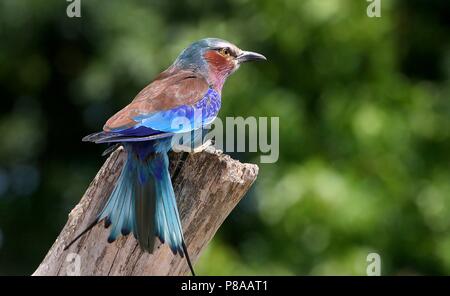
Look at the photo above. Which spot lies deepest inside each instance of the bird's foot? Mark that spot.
(189, 149)
(203, 146)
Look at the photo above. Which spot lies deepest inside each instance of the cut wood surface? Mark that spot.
(208, 185)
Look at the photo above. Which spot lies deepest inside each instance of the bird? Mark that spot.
(143, 201)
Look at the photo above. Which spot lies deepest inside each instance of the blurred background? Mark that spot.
(364, 113)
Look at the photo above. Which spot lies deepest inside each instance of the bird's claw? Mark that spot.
(189, 149)
(203, 146)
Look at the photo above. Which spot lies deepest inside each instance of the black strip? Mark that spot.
(187, 257)
(81, 234)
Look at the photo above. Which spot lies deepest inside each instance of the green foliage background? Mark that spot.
(364, 125)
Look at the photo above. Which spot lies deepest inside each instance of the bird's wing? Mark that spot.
(154, 107)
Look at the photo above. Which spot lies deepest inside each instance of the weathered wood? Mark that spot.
(208, 185)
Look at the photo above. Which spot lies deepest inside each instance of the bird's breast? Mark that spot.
(209, 106)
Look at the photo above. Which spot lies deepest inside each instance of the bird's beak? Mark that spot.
(247, 56)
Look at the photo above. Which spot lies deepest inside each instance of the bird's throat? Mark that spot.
(218, 68)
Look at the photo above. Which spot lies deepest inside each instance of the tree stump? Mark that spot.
(208, 185)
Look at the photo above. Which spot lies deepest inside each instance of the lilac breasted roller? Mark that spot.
(143, 201)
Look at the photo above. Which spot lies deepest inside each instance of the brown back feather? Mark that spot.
(169, 90)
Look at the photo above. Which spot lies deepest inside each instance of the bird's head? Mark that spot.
(215, 59)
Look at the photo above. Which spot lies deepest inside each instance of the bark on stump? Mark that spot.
(208, 185)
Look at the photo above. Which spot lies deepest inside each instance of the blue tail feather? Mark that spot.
(117, 209)
(143, 201)
(168, 224)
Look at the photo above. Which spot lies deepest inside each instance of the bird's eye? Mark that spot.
(225, 51)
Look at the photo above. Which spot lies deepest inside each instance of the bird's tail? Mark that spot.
(143, 202)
